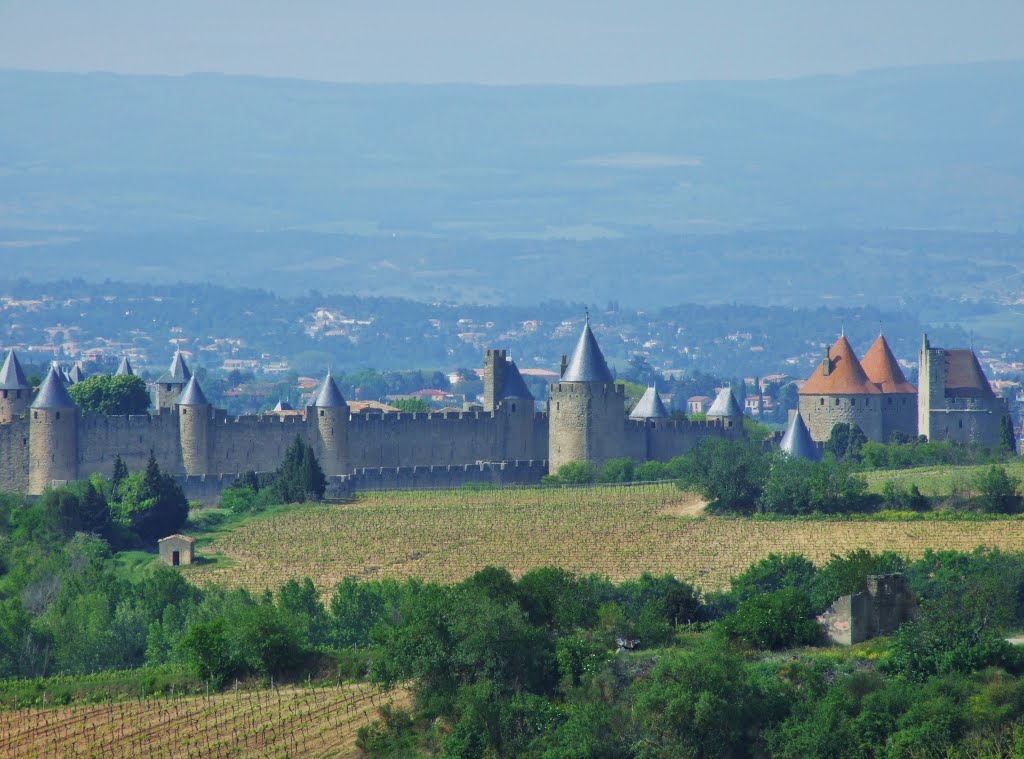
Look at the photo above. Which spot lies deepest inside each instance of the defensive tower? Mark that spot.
(194, 428)
(171, 383)
(586, 408)
(124, 368)
(495, 365)
(726, 410)
(899, 398)
(331, 413)
(515, 405)
(839, 391)
(15, 392)
(53, 436)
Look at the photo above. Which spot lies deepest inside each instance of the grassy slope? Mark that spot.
(936, 480)
(618, 532)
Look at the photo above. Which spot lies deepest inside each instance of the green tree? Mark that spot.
(152, 503)
(572, 473)
(119, 475)
(411, 405)
(775, 572)
(997, 491)
(617, 470)
(844, 575)
(779, 619)
(1007, 437)
(299, 478)
(106, 394)
(845, 442)
(730, 474)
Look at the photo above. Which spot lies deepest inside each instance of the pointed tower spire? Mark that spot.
(12, 377)
(52, 393)
(124, 368)
(329, 395)
(514, 387)
(650, 406)
(193, 394)
(178, 372)
(587, 363)
(797, 441)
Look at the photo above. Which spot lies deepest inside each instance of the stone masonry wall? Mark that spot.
(14, 455)
(821, 413)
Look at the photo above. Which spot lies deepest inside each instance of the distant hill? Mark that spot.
(476, 192)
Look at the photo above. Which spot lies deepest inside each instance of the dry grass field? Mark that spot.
(619, 532)
(279, 722)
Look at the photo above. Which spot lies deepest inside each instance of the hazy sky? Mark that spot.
(516, 41)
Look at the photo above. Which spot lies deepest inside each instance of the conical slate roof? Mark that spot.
(649, 406)
(76, 374)
(846, 376)
(515, 387)
(11, 375)
(283, 406)
(329, 395)
(192, 395)
(725, 404)
(177, 373)
(124, 368)
(65, 376)
(587, 363)
(882, 368)
(52, 393)
(797, 440)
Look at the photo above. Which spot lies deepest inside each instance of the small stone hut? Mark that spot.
(887, 603)
(177, 550)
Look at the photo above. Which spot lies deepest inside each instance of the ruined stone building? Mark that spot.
(45, 439)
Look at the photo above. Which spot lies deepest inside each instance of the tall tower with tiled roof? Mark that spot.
(955, 400)
(899, 397)
(586, 409)
(839, 391)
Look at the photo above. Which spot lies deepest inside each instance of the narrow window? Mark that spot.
(321, 412)
(890, 401)
(821, 401)
(5, 394)
(837, 401)
(58, 415)
(184, 411)
(513, 407)
(961, 424)
(853, 401)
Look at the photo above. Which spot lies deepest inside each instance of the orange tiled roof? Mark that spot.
(881, 367)
(847, 377)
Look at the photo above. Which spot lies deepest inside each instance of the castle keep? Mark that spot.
(955, 401)
(47, 440)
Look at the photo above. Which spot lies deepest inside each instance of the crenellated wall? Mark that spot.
(14, 455)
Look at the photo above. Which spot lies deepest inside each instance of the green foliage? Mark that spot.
(845, 442)
(1007, 437)
(731, 475)
(776, 572)
(844, 575)
(901, 498)
(960, 630)
(780, 619)
(358, 607)
(699, 703)
(572, 473)
(299, 478)
(106, 394)
(617, 470)
(997, 491)
(411, 405)
(151, 503)
(917, 452)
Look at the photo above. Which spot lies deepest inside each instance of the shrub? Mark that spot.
(997, 491)
(774, 620)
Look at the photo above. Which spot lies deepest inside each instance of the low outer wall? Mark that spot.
(207, 488)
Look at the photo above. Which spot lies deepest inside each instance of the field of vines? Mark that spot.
(619, 532)
(274, 722)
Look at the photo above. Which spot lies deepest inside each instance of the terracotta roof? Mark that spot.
(882, 368)
(847, 377)
(357, 407)
(964, 375)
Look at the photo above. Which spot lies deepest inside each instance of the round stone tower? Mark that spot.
(515, 404)
(194, 428)
(586, 409)
(15, 392)
(53, 436)
(331, 413)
